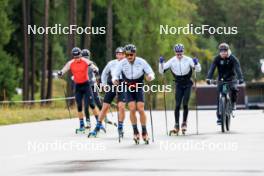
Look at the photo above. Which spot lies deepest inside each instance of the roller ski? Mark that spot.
(120, 133)
(96, 130)
(81, 129)
(184, 128)
(175, 131)
(136, 138)
(110, 122)
(145, 138)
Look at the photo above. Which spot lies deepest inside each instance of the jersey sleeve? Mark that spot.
(117, 72)
(94, 67)
(105, 74)
(164, 66)
(212, 69)
(197, 68)
(66, 67)
(148, 70)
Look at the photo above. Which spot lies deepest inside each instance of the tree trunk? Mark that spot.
(45, 51)
(49, 68)
(32, 54)
(109, 31)
(71, 43)
(88, 22)
(50, 54)
(26, 51)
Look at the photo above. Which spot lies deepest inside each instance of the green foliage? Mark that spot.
(247, 15)
(7, 76)
(5, 25)
(7, 69)
(137, 22)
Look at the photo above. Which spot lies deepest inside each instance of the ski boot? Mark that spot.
(184, 127)
(136, 138)
(96, 130)
(145, 137)
(103, 128)
(80, 130)
(219, 121)
(93, 133)
(88, 125)
(175, 131)
(120, 134)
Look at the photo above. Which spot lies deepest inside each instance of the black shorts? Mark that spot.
(111, 94)
(137, 95)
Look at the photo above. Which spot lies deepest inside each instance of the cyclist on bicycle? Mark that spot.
(229, 70)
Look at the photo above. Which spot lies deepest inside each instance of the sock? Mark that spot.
(144, 129)
(135, 129)
(96, 118)
(87, 119)
(120, 124)
(81, 123)
(98, 125)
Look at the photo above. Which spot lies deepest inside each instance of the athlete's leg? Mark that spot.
(178, 99)
(186, 98)
(78, 99)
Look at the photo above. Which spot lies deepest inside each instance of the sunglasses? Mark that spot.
(223, 50)
(179, 54)
(130, 54)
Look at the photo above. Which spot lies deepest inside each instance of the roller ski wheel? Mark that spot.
(120, 135)
(136, 139)
(103, 128)
(111, 123)
(87, 128)
(145, 138)
(184, 128)
(80, 130)
(93, 134)
(174, 132)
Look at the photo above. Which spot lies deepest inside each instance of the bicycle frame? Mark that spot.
(224, 106)
(224, 92)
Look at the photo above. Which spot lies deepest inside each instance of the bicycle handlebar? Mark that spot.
(215, 82)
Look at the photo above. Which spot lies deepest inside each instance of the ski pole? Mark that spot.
(164, 101)
(151, 120)
(68, 106)
(117, 112)
(196, 109)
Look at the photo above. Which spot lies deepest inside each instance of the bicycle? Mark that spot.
(225, 109)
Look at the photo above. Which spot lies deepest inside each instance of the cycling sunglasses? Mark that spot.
(130, 54)
(178, 53)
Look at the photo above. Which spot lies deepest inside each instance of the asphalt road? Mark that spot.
(53, 148)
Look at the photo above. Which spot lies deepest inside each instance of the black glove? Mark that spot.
(241, 81)
(208, 81)
(60, 73)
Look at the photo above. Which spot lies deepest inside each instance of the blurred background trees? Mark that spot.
(27, 61)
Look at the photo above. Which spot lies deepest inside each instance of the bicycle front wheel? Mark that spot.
(223, 114)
